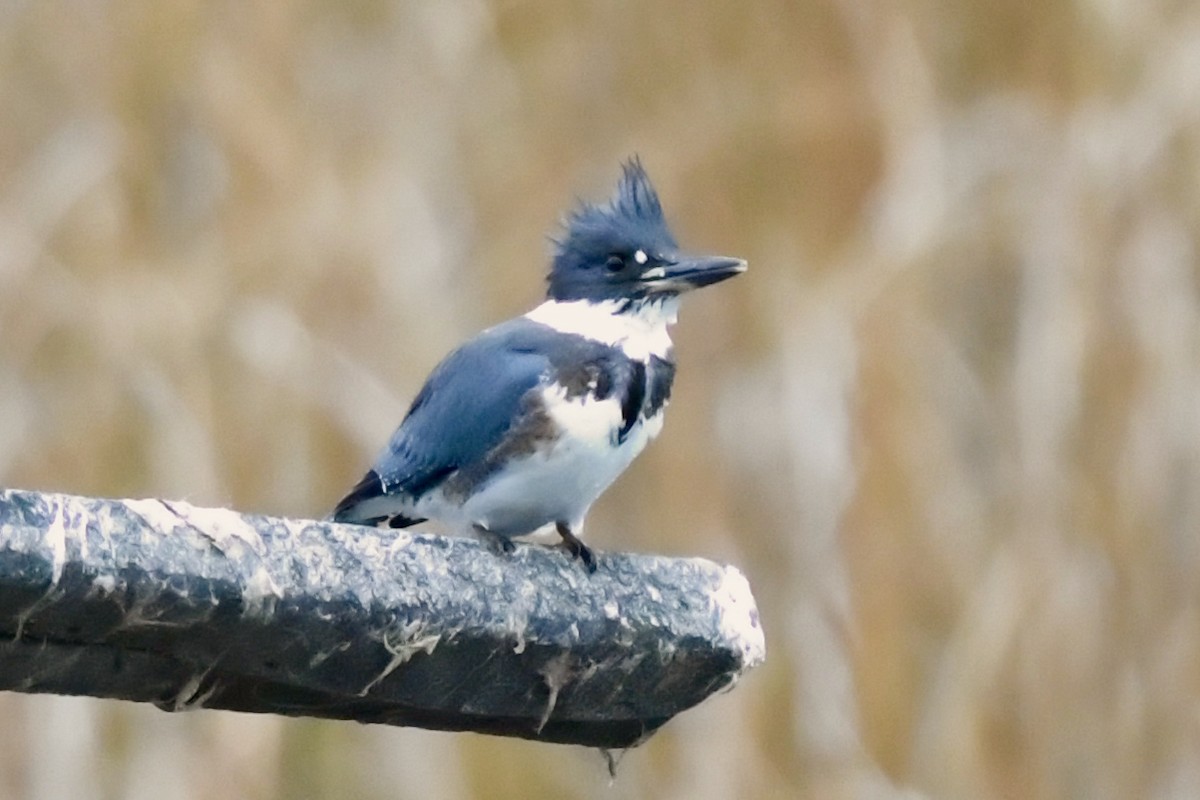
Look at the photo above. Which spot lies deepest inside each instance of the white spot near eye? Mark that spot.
(640, 256)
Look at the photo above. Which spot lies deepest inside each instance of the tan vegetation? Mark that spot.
(949, 423)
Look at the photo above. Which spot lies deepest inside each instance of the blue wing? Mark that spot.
(476, 396)
(466, 406)
(463, 411)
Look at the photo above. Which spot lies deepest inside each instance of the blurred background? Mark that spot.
(948, 424)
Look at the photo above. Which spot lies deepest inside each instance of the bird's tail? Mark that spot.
(369, 503)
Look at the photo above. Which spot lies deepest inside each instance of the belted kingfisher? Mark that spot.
(529, 422)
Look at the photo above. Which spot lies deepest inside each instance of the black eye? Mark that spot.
(615, 263)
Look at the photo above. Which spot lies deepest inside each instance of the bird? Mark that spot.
(528, 423)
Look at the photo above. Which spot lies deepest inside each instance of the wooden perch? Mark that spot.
(185, 607)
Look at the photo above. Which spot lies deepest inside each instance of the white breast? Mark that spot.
(559, 481)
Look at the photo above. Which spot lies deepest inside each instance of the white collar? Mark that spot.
(638, 328)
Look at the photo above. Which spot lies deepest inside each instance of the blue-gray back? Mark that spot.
(477, 393)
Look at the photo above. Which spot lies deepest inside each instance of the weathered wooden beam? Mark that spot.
(185, 607)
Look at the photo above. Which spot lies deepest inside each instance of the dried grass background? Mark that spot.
(949, 423)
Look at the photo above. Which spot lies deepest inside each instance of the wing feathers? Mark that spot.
(459, 420)
(368, 503)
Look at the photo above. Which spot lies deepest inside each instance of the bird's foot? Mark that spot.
(499, 544)
(576, 547)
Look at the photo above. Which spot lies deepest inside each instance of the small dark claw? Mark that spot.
(586, 555)
(576, 547)
(498, 543)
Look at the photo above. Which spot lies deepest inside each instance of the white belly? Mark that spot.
(557, 482)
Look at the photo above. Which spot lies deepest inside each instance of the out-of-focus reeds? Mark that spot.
(949, 423)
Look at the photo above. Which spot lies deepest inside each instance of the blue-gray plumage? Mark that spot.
(529, 422)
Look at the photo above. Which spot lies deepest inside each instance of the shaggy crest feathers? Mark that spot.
(632, 219)
(636, 197)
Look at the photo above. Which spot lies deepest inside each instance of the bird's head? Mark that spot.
(623, 250)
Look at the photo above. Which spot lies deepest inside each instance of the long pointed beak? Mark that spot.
(692, 272)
